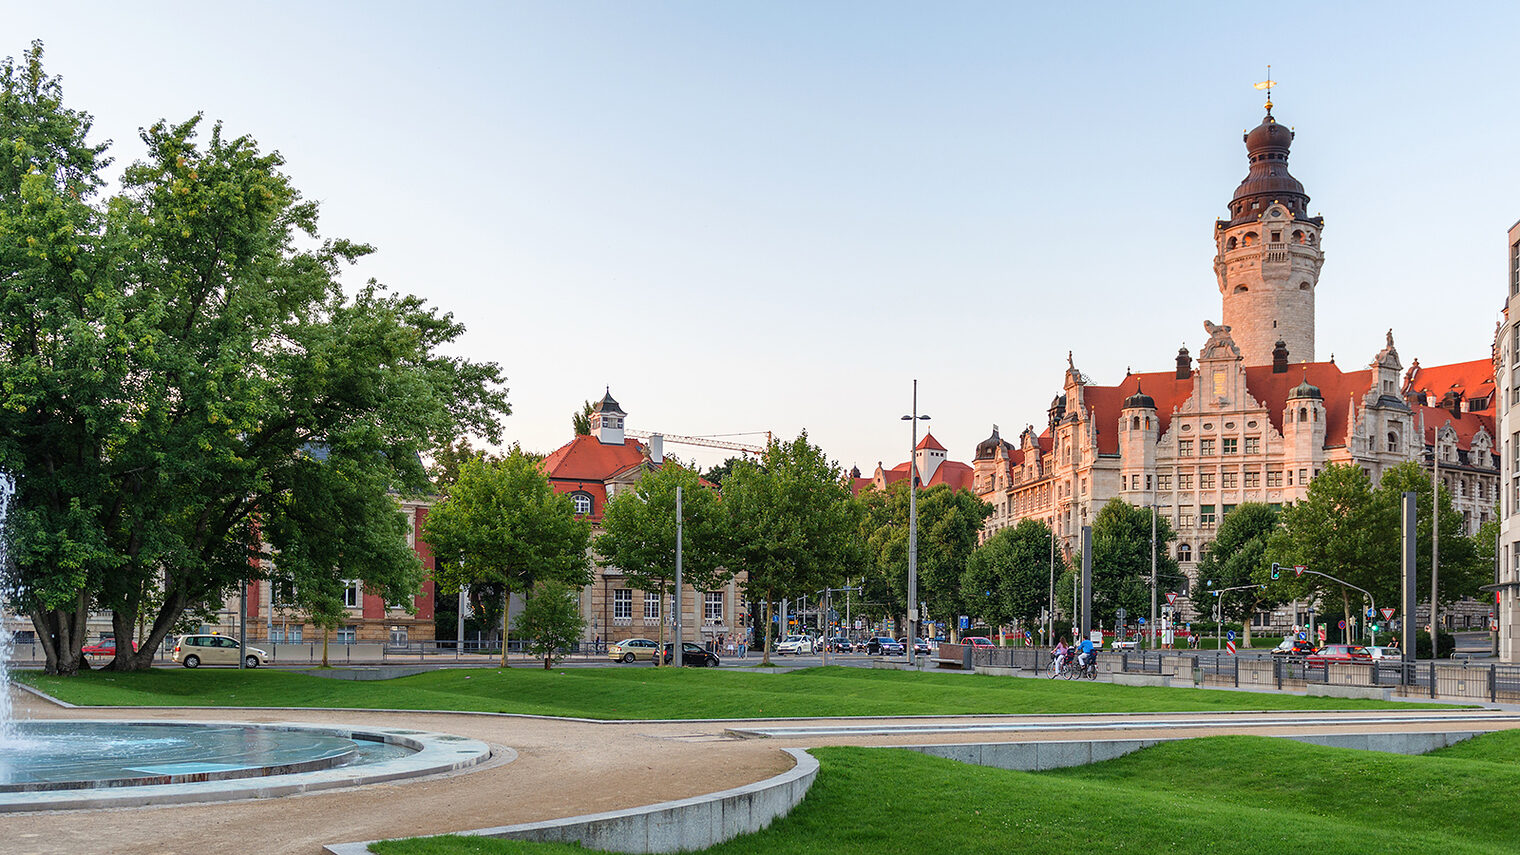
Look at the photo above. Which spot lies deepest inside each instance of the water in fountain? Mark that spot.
(7, 726)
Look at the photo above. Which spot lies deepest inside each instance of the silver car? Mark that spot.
(193, 651)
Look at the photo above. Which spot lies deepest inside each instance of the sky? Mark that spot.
(775, 216)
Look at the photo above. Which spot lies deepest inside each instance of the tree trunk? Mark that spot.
(1245, 625)
(62, 634)
(142, 659)
(325, 633)
(506, 602)
(765, 641)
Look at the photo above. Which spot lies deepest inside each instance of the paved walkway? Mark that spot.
(563, 768)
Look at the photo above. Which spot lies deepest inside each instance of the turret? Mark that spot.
(607, 420)
(1138, 431)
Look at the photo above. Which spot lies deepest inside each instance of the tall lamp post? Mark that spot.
(914, 418)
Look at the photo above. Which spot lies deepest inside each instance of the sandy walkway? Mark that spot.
(563, 769)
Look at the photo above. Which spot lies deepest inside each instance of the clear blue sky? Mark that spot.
(773, 216)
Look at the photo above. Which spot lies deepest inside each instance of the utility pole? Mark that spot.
(1435, 540)
(677, 654)
(1050, 611)
(1153, 576)
(913, 528)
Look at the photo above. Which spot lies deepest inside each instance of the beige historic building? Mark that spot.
(1507, 356)
(1256, 418)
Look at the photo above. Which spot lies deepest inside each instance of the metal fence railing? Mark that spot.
(1492, 682)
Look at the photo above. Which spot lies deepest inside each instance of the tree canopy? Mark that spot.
(1238, 559)
(1008, 577)
(1121, 563)
(792, 524)
(502, 523)
(948, 524)
(185, 388)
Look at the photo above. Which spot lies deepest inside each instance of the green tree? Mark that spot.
(793, 525)
(639, 534)
(1465, 563)
(502, 523)
(580, 420)
(719, 473)
(1008, 577)
(948, 524)
(1238, 558)
(552, 619)
(182, 378)
(1121, 563)
(1340, 530)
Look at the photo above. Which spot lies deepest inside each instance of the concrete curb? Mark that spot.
(694, 823)
(1040, 756)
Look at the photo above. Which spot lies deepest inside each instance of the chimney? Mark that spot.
(1184, 364)
(656, 449)
(1280, 358)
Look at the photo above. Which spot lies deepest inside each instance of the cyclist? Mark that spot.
(1058, 657)
(1085, 653)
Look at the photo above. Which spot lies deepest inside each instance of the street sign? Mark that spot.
(1371, 612)
(1298, 569)
(1387, 613)
(965, 622)
(1142, 621)
(1303, 636)
(1230, 646)
(1171, 598)
(1231, 636)
(1342, 623)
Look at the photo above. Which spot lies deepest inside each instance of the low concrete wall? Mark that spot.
(373, 672)
(1038, 756)
(694, 823)
(1331, 690)
(997, 670)
(1120, 678)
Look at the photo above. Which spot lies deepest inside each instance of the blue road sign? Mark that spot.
(1142, 621)
(965, 622)
(1303, 636)
(1230, 636)
(1371, 612)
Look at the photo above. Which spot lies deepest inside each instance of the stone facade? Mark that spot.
(1246, 424)
(1507, 353)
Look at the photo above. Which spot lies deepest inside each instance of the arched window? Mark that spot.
(1184, 552)
(1303, 286)
(1303, 414)
(1230, 244)
(1298, 236)
(1241, 289)
(582, 502)
(1249, 239)
(1393, 441)
(1134, 423)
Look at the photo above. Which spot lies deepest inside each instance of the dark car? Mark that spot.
(884, 647)
(840, 645)
(104, 647)
(920, 645)
(694, 655)
(1294, 649)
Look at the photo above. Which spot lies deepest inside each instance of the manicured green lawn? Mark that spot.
(647, 693)
(1233, 794)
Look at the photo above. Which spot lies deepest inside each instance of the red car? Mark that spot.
(1339, 653)
(977, 641)
(106, 647)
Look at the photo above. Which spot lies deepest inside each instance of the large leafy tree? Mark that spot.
(639, 534)
(1238, 559)
(502, 523)
(792, 522)
(1337, 529)
(1008, 577)
(1121, 562)
(1466, 562)
(185, 388)
(948, 523)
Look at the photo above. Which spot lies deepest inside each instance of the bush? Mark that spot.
(1422, 645)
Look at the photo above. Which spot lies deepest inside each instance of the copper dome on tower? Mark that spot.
(1268, 180)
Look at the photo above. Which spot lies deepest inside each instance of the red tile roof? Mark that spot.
(1466, 424)
(586, 458)
(1473, 379)
(929, 442)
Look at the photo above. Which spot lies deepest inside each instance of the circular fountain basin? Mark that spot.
(49, 765)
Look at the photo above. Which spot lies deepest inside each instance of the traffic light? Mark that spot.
(1276, 569)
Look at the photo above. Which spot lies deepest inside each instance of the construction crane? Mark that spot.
(706, 441)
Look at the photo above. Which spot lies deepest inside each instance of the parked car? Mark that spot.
(1293, 648)
(797, 645)
(1381, 652)
(193, 651)
(1131, 644)
(693, 654)
(633, 650)
(841, 645)
(1339, 653)
(884, 647)
(106, 647)
(978, 641)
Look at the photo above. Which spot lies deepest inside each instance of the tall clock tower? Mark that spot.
(1268, 254)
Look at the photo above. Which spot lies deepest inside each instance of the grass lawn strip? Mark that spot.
(646, 693)
(1233, 794)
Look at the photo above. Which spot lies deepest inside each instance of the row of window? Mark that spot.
(622, 605)
(1227, 445)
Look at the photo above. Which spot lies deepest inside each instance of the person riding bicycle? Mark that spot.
(1058, 657)
(1085, 654)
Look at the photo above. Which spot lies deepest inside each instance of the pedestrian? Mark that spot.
(743, 647)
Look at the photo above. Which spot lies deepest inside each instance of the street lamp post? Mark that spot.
(914, 418)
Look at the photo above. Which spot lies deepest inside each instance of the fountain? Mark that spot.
(52, 765)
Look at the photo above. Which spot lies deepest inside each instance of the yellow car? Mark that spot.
(193, 651)
(632, 650)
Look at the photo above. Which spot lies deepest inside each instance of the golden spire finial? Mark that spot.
(1267, 85)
